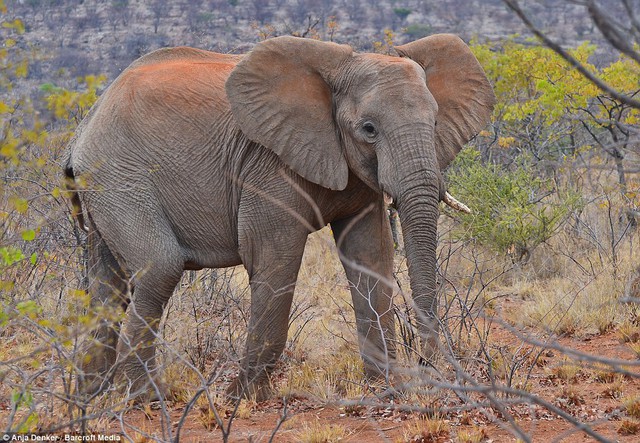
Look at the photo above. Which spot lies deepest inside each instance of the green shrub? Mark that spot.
(403, 13)
(513, 210)
(417, 31)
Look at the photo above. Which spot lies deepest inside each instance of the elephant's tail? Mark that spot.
(72, 188)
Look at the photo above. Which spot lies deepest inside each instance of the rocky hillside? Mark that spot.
(103, 36)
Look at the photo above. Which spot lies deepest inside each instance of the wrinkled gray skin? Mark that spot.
(194, 160)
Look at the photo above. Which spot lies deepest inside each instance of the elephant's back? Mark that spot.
(158, 133)
(173, 82)
(184, 53)
(169, 100)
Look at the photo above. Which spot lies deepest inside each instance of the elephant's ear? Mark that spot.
(458, 83)
(280, 97)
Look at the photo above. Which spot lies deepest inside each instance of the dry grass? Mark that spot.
(632, 407)
(615, 389)
(605, 375)
(209, 419)
(635, 348)
(318, 432)
(473, 435)
(629, 427)
(571, 285)
(566, 371)
(425, 430)
(322, 292)
(573, 282)
(563, 306)
(629, 332)
(328, 378)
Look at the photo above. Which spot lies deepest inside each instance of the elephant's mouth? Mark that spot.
(388, 200)
(448, 199)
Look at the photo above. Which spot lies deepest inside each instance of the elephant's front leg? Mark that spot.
(272, 274)
(366, 252)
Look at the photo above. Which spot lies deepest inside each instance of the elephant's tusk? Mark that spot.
(455, 204)
(388, 200)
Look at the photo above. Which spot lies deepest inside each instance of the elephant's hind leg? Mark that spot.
(140, 237)
(109, 299)
(153, 286)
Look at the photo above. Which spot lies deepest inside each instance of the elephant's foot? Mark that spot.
(95, 373)
(138, 385)
(141, 382)
(91, 384)
(378, 365)
(144, 389)
(430, 350)
(259, 389)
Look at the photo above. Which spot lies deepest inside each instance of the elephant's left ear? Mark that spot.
(458, 83)
(281, 97)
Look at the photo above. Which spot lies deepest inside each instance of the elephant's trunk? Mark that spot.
(411, 176)
(415, 184)
(418, 210)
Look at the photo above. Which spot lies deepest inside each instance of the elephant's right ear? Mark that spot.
(280, 98)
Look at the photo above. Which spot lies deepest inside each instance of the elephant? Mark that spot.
(192, 159)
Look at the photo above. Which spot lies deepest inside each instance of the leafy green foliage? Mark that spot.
(24, 399)
(548, 119)
(65, 104)
(10, 255)
(36, 259)
(533, 81)
(513, 210)
(417, 31)
(544, 105)
(402, 13)
(26, 154)
(35, 225)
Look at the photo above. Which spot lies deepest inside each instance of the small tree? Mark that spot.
(402, 13)
(160, 10)
(35, 259)
(620, 34)
(549, 110)
(513, 210)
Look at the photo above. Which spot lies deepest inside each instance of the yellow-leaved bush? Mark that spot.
(548, 117)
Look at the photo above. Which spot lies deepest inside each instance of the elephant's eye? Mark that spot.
(370, 129)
